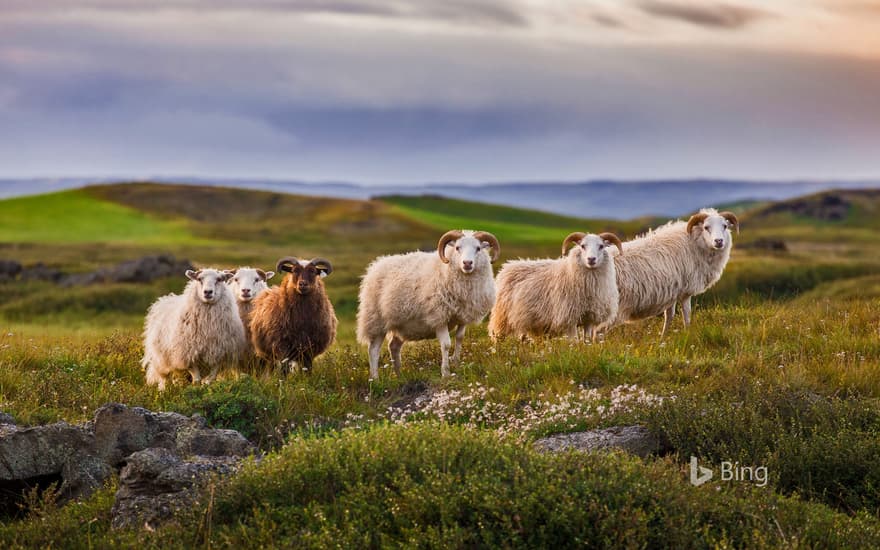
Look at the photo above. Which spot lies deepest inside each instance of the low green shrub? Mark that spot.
(434, 485)
(821, 448)
(243, 405)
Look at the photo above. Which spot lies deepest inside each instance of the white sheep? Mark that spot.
(553, 297)
(246, 284)
(423, 295)
(671, 264)
(198, 329)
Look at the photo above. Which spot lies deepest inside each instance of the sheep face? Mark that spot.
(247, 282)
(466, 254)
(304, 275)
(593, 251)
(209, 283)
(714, 228)
(468, 251)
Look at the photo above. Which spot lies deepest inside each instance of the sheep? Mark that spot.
(246, 284)
(671, 264)
(197, 329)
(423, 295)
(295, 321)
(552, 297)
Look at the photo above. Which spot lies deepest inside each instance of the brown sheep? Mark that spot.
(295, 321)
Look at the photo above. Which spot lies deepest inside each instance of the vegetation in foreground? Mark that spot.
(781, 368)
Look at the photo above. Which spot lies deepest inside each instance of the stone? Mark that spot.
(182, 451)
(9, 270)
(41, 272)
(120, 431)
(140, 270)
(156, 484)
(57, 451)
(636, 440)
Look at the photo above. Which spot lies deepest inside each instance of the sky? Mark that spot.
(414, 91)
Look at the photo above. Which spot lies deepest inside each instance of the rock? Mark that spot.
(82, 458)
(120, 431)
(9, 270)
(6, 419)
(140, 270)
(156, 484)
(41, 272)
(53, 452)
(635, 440)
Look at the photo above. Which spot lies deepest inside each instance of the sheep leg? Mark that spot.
(210, 378)
(459, 340)
(686, 311)
(196, 375)
(445, 343)
(375, 350)
(667, 318)
(573, 332)
(591, 332)
(305, 364)
(394, 346)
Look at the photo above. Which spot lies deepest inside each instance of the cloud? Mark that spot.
(387, 97)
(720, 16)
(475, 12)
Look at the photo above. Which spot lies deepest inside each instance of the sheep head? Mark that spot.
(591, 248)
(209, 282)
(247, 282)
(466, 248)
(714, 227)
(304, 275)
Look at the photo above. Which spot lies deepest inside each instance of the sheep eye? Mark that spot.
(601, 246)
(457, 248)
(707, 228)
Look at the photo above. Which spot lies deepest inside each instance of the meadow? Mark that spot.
(780, 368)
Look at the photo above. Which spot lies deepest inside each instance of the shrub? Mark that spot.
(435, 485)
(820, 448)
(243, 405)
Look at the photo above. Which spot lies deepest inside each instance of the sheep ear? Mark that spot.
(226, 275)
(265, 275)
(192, 275)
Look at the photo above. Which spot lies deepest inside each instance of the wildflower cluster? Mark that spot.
(475, 407)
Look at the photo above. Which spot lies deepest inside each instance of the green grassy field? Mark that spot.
(780, 368)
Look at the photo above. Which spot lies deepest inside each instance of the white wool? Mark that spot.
(183, 333)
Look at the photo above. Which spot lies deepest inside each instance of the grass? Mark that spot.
(780, 368)
(77, 217)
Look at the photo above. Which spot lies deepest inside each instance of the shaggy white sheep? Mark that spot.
(671, 264)
(246, 284)
(423, 295)
(199, 329)
(552, 297)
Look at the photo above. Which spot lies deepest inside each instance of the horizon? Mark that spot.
(467, 91)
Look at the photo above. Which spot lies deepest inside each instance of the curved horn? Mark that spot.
(612, 238)
(447, 237)
(283, 263)
(493, 243)
(731, 217)
(696, 219)
(322, 265)
(575, 237)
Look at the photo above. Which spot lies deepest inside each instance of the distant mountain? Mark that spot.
(592, 199)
